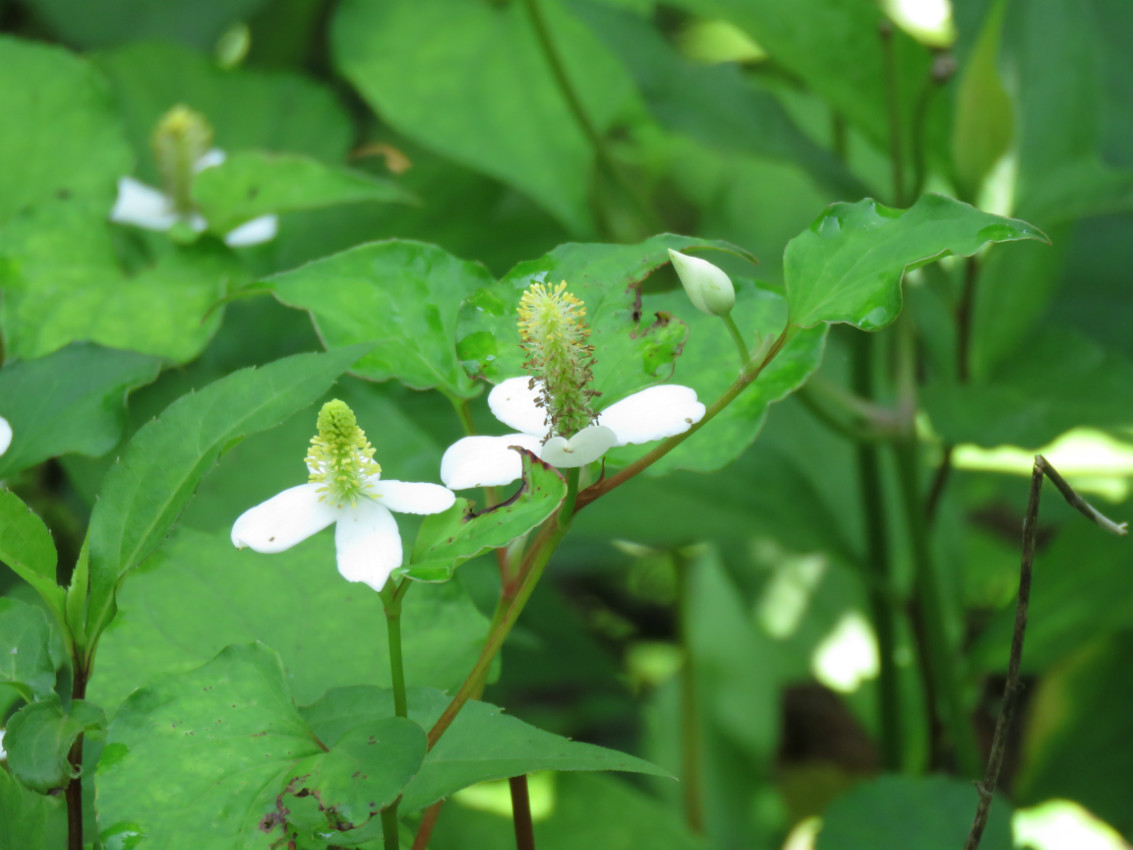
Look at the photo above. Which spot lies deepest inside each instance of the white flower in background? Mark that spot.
(5, 435)
(346, 489)
(182, 147)
(554, 413)
(3, 752)
(708, 287)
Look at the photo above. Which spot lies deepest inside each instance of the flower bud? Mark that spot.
(708, 288)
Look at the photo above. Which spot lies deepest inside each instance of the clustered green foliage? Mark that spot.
(941, 235)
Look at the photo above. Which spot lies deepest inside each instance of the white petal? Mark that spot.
(5, 435)
(513, 402)
(142, 206)
(367, 543)
(411, 497)
(283, 520)
(262, 229)
(652, 414)
(212, 157)
(587, 445)
(485, 461)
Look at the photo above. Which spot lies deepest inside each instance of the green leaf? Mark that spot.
(28, 820)
(1059, 380)
(400, 296)
(363, 773)
(199, 594)
(482, 743)
(209, 758)
(26, 546)
(714, 104)
(64, 283)
(984, 114)
(247, 108)
(115, 21)
(252, 183)
(847, 267)
(448, 539)
(60, 135)
(39, 739)
(709, 364)
(835, 48)
(70, 401)
(26, 660)
(147, 488)
(424, 66)
(898, 812)
(632, 349)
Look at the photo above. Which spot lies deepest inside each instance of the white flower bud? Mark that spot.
(709, 289)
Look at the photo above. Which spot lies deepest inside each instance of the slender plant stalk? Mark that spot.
(428, 823)
(543, 33)
(879, 566)
(893, 106)
(691, 778)
(391, 602)
(963, 374)
(738, 339)
(74, 790)
(521, 813)
(1011, 687)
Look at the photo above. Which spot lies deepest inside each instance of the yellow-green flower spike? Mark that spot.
(553, 332)
(340, 457)
(181, 137)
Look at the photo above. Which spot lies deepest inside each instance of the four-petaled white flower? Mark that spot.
(5, 435)
(651, 414)
(345, 489)
(150, 208)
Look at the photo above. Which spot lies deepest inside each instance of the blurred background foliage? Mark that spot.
(718, 624)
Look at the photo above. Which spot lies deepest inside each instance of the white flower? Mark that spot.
(3, 752)
(652, 414)
(150, 208)
(345, 489)
(5, 435)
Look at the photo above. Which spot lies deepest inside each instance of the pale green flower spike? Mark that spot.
(553, 332)
(182, 137)
(345, 490)
(709, 289)
(341, 459)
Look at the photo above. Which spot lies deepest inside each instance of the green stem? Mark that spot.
(391, 602)
(464, 412)
(74, 790)
(893, 107)
(879, 565)
(574, 103)
(738, 339)
(531, 570)
(937, 652)
(521, 813)
(690, 720)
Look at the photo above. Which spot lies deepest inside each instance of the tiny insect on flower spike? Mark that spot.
(709, 289)
(346, 489)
